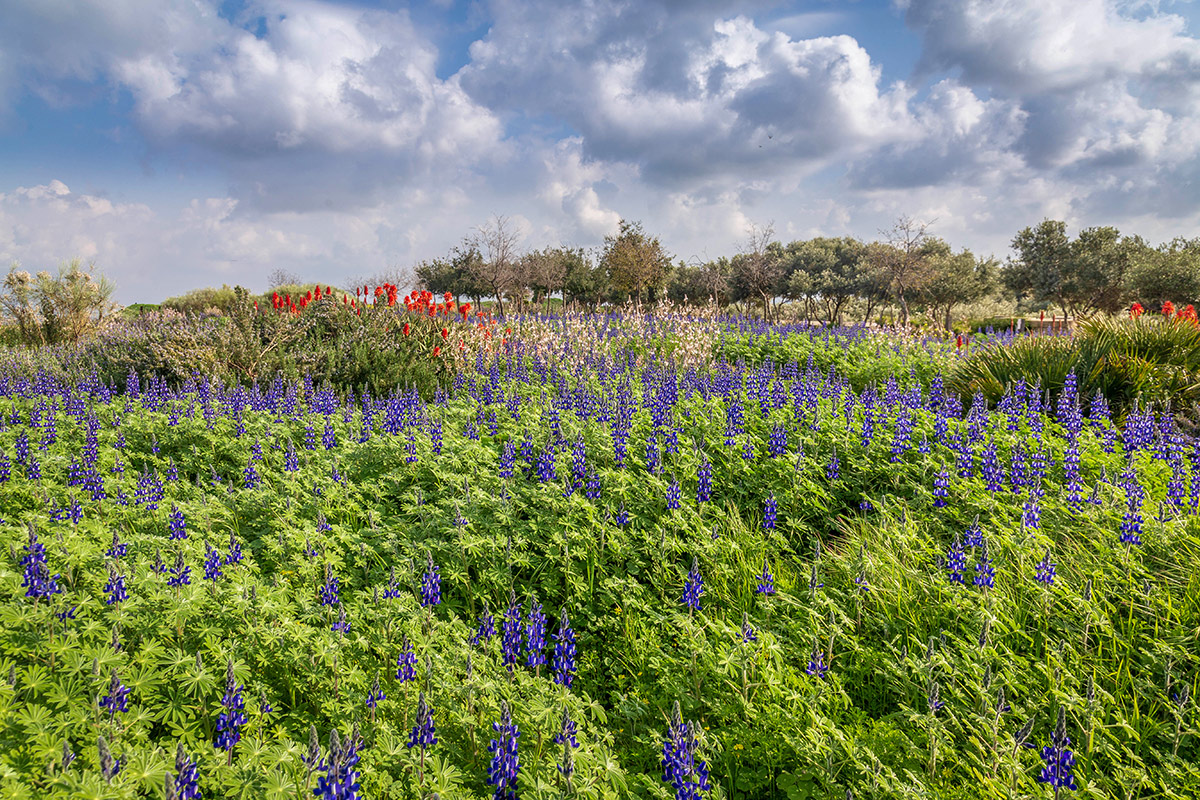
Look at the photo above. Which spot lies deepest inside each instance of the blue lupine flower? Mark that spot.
(766, 581)
(1058, 758)
(693, 587)
(431, 585)
(115, 586)
(546, 469)
(406, 662)
(250, 476)
(748, 632)
(181, 574)
(233, 717)
(340, 781)
(341, 626)
(234, 555)
(566, 731)
(392, 591)
(817, 667)
(770, 512)
(505, 765)
(941, 488)
(832, 470)
(510, 633)
(423, 732)
(564, 652)
(687, 774)
(985, 573)
(673, 495)
(118, 549)
(704, 480)
(777, 443)
(487, 626)
(956, 561)
(1045, 570)
(1031, 513)
(375, 694)
(117, 699)
(974, 535)
(177, 523)
(37, 580)
(934, 700)
(187, 776)
(330, 590)
(212, 564)
(535, 635)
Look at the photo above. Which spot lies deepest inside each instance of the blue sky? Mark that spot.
(183, 144)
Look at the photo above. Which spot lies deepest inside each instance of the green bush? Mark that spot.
(1149, 360)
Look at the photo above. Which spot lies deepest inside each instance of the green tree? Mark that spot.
(584, 281)
(1169, 272)
(955, 279)
(636, 264)
(825, 270)
(1081, 276)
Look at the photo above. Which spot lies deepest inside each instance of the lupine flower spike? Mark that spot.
(505, 766)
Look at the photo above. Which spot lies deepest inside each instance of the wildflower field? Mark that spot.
(606, 556)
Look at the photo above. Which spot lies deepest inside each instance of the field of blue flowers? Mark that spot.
(589, 567)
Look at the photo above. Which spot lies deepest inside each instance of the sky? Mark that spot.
(179, 144)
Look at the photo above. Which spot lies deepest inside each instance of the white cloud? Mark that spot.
(685, 96)
(343, 151)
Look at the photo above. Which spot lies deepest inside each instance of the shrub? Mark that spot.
(51, 309)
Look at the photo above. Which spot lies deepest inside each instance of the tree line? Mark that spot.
(830, 279)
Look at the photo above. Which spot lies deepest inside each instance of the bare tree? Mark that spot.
(758, 268)
(544, 272)
(281, 277)
(903, 259)
(498, 270)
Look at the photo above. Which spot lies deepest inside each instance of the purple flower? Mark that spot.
(693, 587)
(406, 662)
(535, 635)
(115, 586)
(510, 632)
(564, 652)
(1058, 758)
(505, 765)
(431, 585)
(233, 717)
(487, 626)
(1045, 570)
(117, 699)
(687, 774)
(423, 732)
(766, 581)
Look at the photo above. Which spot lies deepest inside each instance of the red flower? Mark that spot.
(445, 333)
(407, 328)
(1136, 310)
(448, 297)
(437, 351)
(1168, 308)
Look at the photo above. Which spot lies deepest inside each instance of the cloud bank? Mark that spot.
(345, 145)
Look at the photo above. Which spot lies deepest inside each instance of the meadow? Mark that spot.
(612, 555)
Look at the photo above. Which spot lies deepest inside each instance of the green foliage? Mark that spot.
(1112, 641)
(635, 263)
(1090, 274)
(1150, 360)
